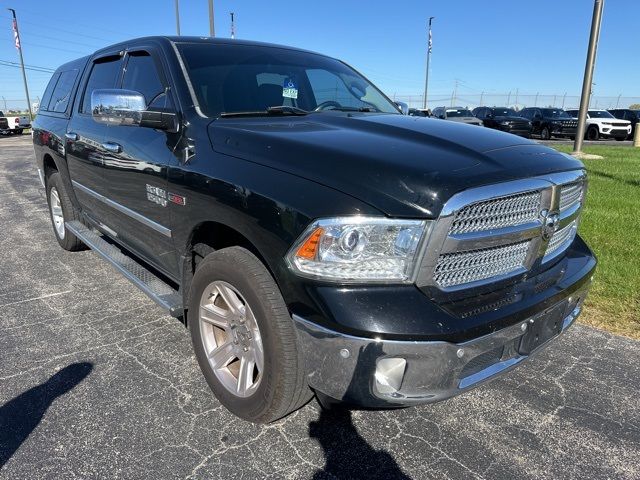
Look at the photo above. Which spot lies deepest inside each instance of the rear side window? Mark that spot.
(46, 97)
(103, 75)
(142, 76)
(62, 92)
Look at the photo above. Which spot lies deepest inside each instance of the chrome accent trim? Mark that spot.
(444, 239)
(41, 177)
(435, 370)
(127, 211)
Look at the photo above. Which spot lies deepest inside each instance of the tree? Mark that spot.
(635, 106)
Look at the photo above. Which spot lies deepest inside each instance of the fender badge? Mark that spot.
(177, 199)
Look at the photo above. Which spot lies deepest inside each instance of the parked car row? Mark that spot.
(543, 122)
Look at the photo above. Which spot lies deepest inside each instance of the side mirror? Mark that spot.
(128, 108)
(404, 108)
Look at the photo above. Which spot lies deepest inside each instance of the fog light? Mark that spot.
(389, 374)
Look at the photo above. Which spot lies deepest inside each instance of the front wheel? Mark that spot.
(545, 134)
(593, 133)
(244, 338)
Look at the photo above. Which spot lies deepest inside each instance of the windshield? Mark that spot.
(504, 112)
(555, 113)
(248, 78)
(599, 114)
(458, 112)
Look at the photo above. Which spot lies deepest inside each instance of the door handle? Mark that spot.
(71, 136)
(112, 147)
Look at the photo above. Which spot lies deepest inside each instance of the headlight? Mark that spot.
(359, 249)
(607, 123)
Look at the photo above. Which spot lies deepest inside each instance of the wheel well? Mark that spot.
(49, 165)
(207, 238)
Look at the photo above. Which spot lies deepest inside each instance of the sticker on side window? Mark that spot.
(290, 89)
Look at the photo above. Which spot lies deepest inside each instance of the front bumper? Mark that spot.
(389, 373)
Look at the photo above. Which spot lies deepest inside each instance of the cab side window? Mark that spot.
(141, 75)
(103, 75)
(61, 94)
(46, 97)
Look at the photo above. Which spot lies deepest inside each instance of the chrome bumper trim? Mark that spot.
(344, 366)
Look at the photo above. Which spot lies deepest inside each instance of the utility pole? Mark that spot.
(426, 77)
(618, 101)
(5, 103)
(596, 21)
(178, 17)
(481, 96)
(233, 27)
(16, 36)
(212, 28)
(455, 93)
(564, 97)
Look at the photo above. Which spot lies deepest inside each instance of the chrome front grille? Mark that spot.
(495, 232)
(560, 238)
(570, 195)
(497, 213)
(474, 265)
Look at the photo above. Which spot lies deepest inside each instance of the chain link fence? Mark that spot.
(516, 100)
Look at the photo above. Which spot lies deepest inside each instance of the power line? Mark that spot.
(5, 63)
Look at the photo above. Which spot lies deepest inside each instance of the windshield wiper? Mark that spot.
(278, 110)
(349, 109)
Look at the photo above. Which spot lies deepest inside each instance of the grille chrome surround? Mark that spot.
(490, 233)
(472, 266)
(497, 213)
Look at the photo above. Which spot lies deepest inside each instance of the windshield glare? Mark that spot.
(248, 78)
(555, 113)
(599, 114)
(458, 112)
(504, 112)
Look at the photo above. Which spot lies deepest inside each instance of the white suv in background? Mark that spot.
(601, 124)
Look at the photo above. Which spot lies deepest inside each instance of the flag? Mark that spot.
(430, 40)
(15, 34)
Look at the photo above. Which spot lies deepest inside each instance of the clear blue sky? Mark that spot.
(492, 46)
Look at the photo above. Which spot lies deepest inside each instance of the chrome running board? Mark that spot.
(161, 293)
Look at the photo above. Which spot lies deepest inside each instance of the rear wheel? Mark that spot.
(593, 133)
(61, 210)
(244, 339)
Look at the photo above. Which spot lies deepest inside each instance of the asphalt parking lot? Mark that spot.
(97, 382)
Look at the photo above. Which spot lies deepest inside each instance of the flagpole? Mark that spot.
(19, 47)
(426, 77)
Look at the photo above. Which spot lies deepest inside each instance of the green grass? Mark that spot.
(611, 226)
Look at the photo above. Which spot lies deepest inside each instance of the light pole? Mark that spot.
(233, 26)
(212, 28)
(588, 74)
(178, 17)
(426, 77)
(16, 35)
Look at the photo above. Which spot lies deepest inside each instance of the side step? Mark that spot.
(161, 293)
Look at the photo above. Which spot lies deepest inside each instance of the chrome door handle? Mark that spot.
(71, 136)
(112, 147)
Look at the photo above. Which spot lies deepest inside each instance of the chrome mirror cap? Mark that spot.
(117, 107)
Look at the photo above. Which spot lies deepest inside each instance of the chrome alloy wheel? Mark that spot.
(56, 212)
(231, 338)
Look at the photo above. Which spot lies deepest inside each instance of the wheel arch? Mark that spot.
(207, 237)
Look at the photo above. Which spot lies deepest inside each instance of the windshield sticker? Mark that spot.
(290, 89)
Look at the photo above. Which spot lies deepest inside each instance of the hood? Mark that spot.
(473, 120)
(510, 119)
(404, 166)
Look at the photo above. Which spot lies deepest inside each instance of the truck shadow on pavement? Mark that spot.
(21, 415)
(347, 454)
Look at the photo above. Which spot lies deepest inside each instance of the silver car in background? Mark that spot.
(456, 114)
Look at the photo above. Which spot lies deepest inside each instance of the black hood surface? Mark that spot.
(404, 166)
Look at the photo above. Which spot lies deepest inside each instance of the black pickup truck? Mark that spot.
(311, 237)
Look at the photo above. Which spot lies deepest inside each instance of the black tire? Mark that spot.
(67, 240)
(19, 131)
(593, 134)
(545, 134)
(283, 387)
